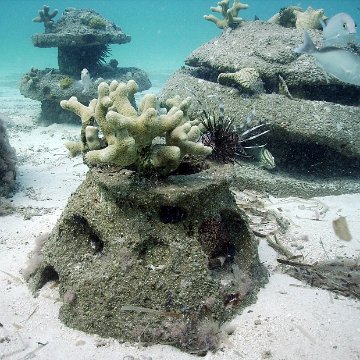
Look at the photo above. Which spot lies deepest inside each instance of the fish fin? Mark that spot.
(307, 47)
(326, 77)
(323, 23)
(324, 72)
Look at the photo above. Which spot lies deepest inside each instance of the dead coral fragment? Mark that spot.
(128, 134)
(46, 17)
(230, 14)
(309, 19)
(246, 79)
(294, 16)
(283, 88)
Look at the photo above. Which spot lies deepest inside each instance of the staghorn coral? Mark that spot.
(230, 14)
(46, 17)
(128, 133)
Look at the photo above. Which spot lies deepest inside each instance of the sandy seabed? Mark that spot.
(290, 319)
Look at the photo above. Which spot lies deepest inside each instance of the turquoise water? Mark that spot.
(163, 32)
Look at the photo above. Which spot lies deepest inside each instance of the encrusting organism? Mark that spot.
(128, 134)
(230, 14)
(46, 17)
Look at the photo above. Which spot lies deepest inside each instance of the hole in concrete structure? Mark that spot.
(172, 214)
(94, 240)
(48, 274)
(191, 164)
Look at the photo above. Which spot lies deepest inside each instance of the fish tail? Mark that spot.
(307, 47)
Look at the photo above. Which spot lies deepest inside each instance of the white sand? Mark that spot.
(290, 320)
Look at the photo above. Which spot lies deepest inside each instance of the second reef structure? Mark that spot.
(128, 135)
(83, 38)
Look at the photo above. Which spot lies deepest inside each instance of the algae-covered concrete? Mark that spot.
(315, 143)
(269, 48)
(156, 262)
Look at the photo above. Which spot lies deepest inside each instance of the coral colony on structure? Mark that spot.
(83, 39)
(81, 36)
(142, 251)
(128, 135)
(166, 261)
(229, 14)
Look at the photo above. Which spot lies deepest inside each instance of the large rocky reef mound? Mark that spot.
(7, 161)
(313, 118)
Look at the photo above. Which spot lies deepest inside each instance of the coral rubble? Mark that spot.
(128, 134)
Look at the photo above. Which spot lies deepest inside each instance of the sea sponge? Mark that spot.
(230, 14)
(246, 79)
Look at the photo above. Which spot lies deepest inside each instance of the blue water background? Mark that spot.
(164, 32)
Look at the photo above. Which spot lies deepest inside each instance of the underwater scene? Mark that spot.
(179, 179)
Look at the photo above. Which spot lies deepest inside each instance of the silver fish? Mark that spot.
(339, 30)
(342, 64)
(266, 159)
(85, 80)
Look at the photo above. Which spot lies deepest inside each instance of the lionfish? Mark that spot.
(229, 144)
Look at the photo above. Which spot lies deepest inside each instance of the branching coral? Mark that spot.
(46, 17)
(230, 14)
(128, 133)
